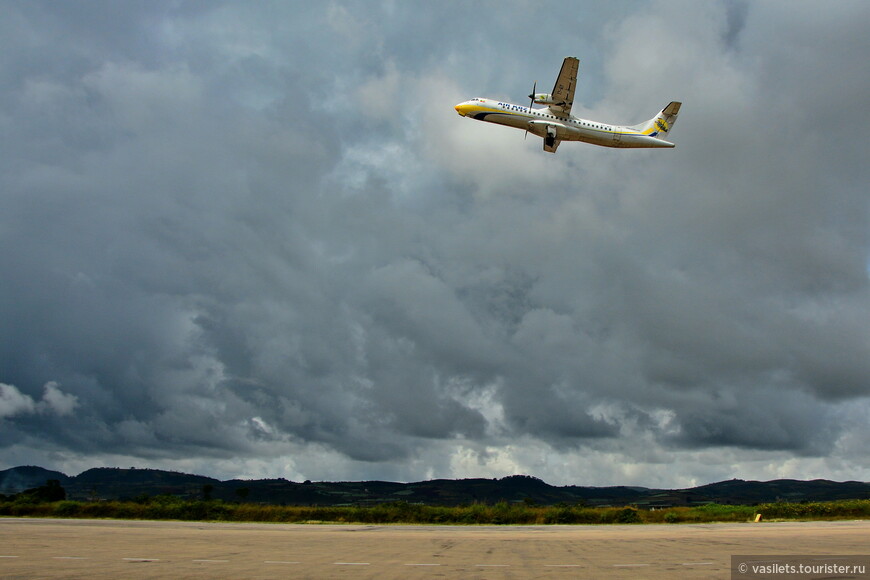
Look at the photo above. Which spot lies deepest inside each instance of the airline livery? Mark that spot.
(556, 124)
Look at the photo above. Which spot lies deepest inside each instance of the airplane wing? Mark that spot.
(563, 92)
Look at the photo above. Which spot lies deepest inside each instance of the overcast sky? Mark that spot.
(254, 239)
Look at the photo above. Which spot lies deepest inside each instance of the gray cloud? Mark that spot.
(258, 241)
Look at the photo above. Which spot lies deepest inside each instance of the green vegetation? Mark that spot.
(166, 507)
(821, 510)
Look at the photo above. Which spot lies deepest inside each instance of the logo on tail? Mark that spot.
(662, 122)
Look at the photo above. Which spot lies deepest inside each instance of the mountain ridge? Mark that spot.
(112, 483)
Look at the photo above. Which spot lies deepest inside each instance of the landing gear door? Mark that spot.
(551, 141)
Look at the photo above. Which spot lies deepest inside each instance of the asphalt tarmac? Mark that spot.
(96, 549)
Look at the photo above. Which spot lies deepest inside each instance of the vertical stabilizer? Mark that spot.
(660, 126)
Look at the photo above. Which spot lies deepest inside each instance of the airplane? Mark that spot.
(556, 124)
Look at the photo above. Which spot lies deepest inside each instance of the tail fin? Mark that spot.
(661, 125)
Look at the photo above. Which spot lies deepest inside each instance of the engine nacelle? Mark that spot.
(544, 99)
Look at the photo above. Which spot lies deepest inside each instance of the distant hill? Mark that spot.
(18, 479)
(115, 483)
(791, 490)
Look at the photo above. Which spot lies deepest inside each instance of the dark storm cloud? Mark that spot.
(260, 235)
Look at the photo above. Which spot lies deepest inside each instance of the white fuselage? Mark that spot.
(553, 122)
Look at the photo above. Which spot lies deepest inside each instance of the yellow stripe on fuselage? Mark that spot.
(569, 122)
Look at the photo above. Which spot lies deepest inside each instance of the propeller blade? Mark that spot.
(532, 96)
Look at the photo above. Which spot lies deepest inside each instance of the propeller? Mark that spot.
(532, 96)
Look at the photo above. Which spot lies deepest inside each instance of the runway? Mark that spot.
(95, 549)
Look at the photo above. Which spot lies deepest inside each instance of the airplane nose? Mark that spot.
(460, 108)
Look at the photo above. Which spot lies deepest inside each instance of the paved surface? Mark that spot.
(95, 549)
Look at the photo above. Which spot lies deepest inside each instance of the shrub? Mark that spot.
(560, 515)
(809, 510)
(476, 513)
(66, 509)
(628, 516)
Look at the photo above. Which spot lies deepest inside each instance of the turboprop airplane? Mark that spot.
(556, 124)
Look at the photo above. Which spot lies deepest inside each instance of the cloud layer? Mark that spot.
(256, 240)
